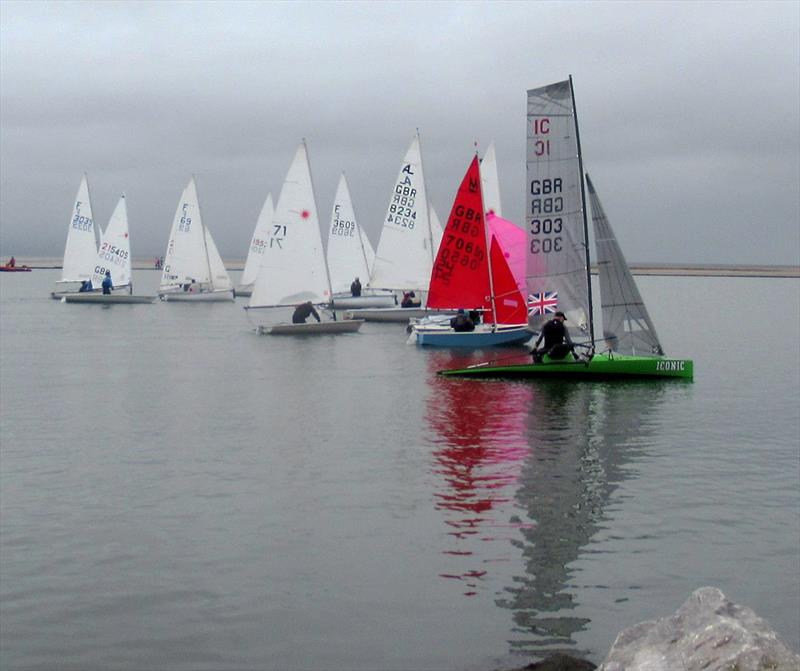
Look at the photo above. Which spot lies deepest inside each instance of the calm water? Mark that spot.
(180, 493)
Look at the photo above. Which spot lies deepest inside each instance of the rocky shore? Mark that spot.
(707, 633)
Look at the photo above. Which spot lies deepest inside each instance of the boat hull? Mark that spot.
(398, 315)
(312, 328)
(347, 302)
(480, 337)
(244, 290)
(601, 366)
(106, 299)
(15, 269)
(197, 297)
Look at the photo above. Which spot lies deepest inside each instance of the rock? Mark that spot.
(708, 633)
(560, 662)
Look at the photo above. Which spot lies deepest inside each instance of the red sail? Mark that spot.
(460, 276)
(509, 303)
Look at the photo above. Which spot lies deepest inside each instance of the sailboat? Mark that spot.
(350, 255)
(257, 242)
(405, 254)
(80, 251)
(114, 256)
(558, 261)
(293, 267)
(193, 268)
(471, 272)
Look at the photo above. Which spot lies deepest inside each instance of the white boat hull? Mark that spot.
(106, 299)
(347, 302)
(197, 296)
(398, 315)
(312, 328)
(116, 291)
(244, 290)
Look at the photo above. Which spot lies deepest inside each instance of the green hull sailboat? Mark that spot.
(558, 263)
(601, 366)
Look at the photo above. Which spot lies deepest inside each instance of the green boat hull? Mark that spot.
(601, 366)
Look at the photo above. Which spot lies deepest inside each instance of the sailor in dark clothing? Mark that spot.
(557, 343)
(355, 287)
(86, 285)
(107, 283)
(408, 300)
(302, 313)
(461, 322)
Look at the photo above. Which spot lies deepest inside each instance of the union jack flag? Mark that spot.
(543, 303)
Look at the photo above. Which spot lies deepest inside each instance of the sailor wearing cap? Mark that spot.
(557, 343)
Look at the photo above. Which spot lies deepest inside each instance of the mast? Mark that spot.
(324, 256)
(487, 241)
(427, 209)
(358, 228)
(583, 211)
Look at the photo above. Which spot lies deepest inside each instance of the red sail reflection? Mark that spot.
(480, 429)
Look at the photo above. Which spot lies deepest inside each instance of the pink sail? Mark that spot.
(511, 239)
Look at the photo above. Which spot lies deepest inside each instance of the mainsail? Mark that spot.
(405, 253)
(627, 327)
(557, 255)
(114, 254)
(80, 251)
(349, 251)
(293, 268)
(191, 252)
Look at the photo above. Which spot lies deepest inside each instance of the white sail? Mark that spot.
(191, 253)
(437, 231)
(557, 262)
(293, 266)
(369, 251)
(80, 251)
(490, 182)
(257, 242)
(114, 254)
(348, 256)
(405, 253)
(220, 280)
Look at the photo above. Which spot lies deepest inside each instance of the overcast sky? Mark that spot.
(689, 113)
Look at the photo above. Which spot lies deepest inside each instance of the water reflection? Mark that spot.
(580, 437)
(481, 445)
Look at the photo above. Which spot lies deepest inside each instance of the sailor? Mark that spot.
(12, 262)
(86, 285)
(355, 287)
(107, 283)
(462, 322)
(557, 343)
(302, 313)
(408, 300)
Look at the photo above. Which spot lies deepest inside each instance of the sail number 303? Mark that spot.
(546, 226)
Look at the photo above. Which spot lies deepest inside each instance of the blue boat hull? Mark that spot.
(472, 339)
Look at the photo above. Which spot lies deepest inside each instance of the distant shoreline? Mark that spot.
(665, 269)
